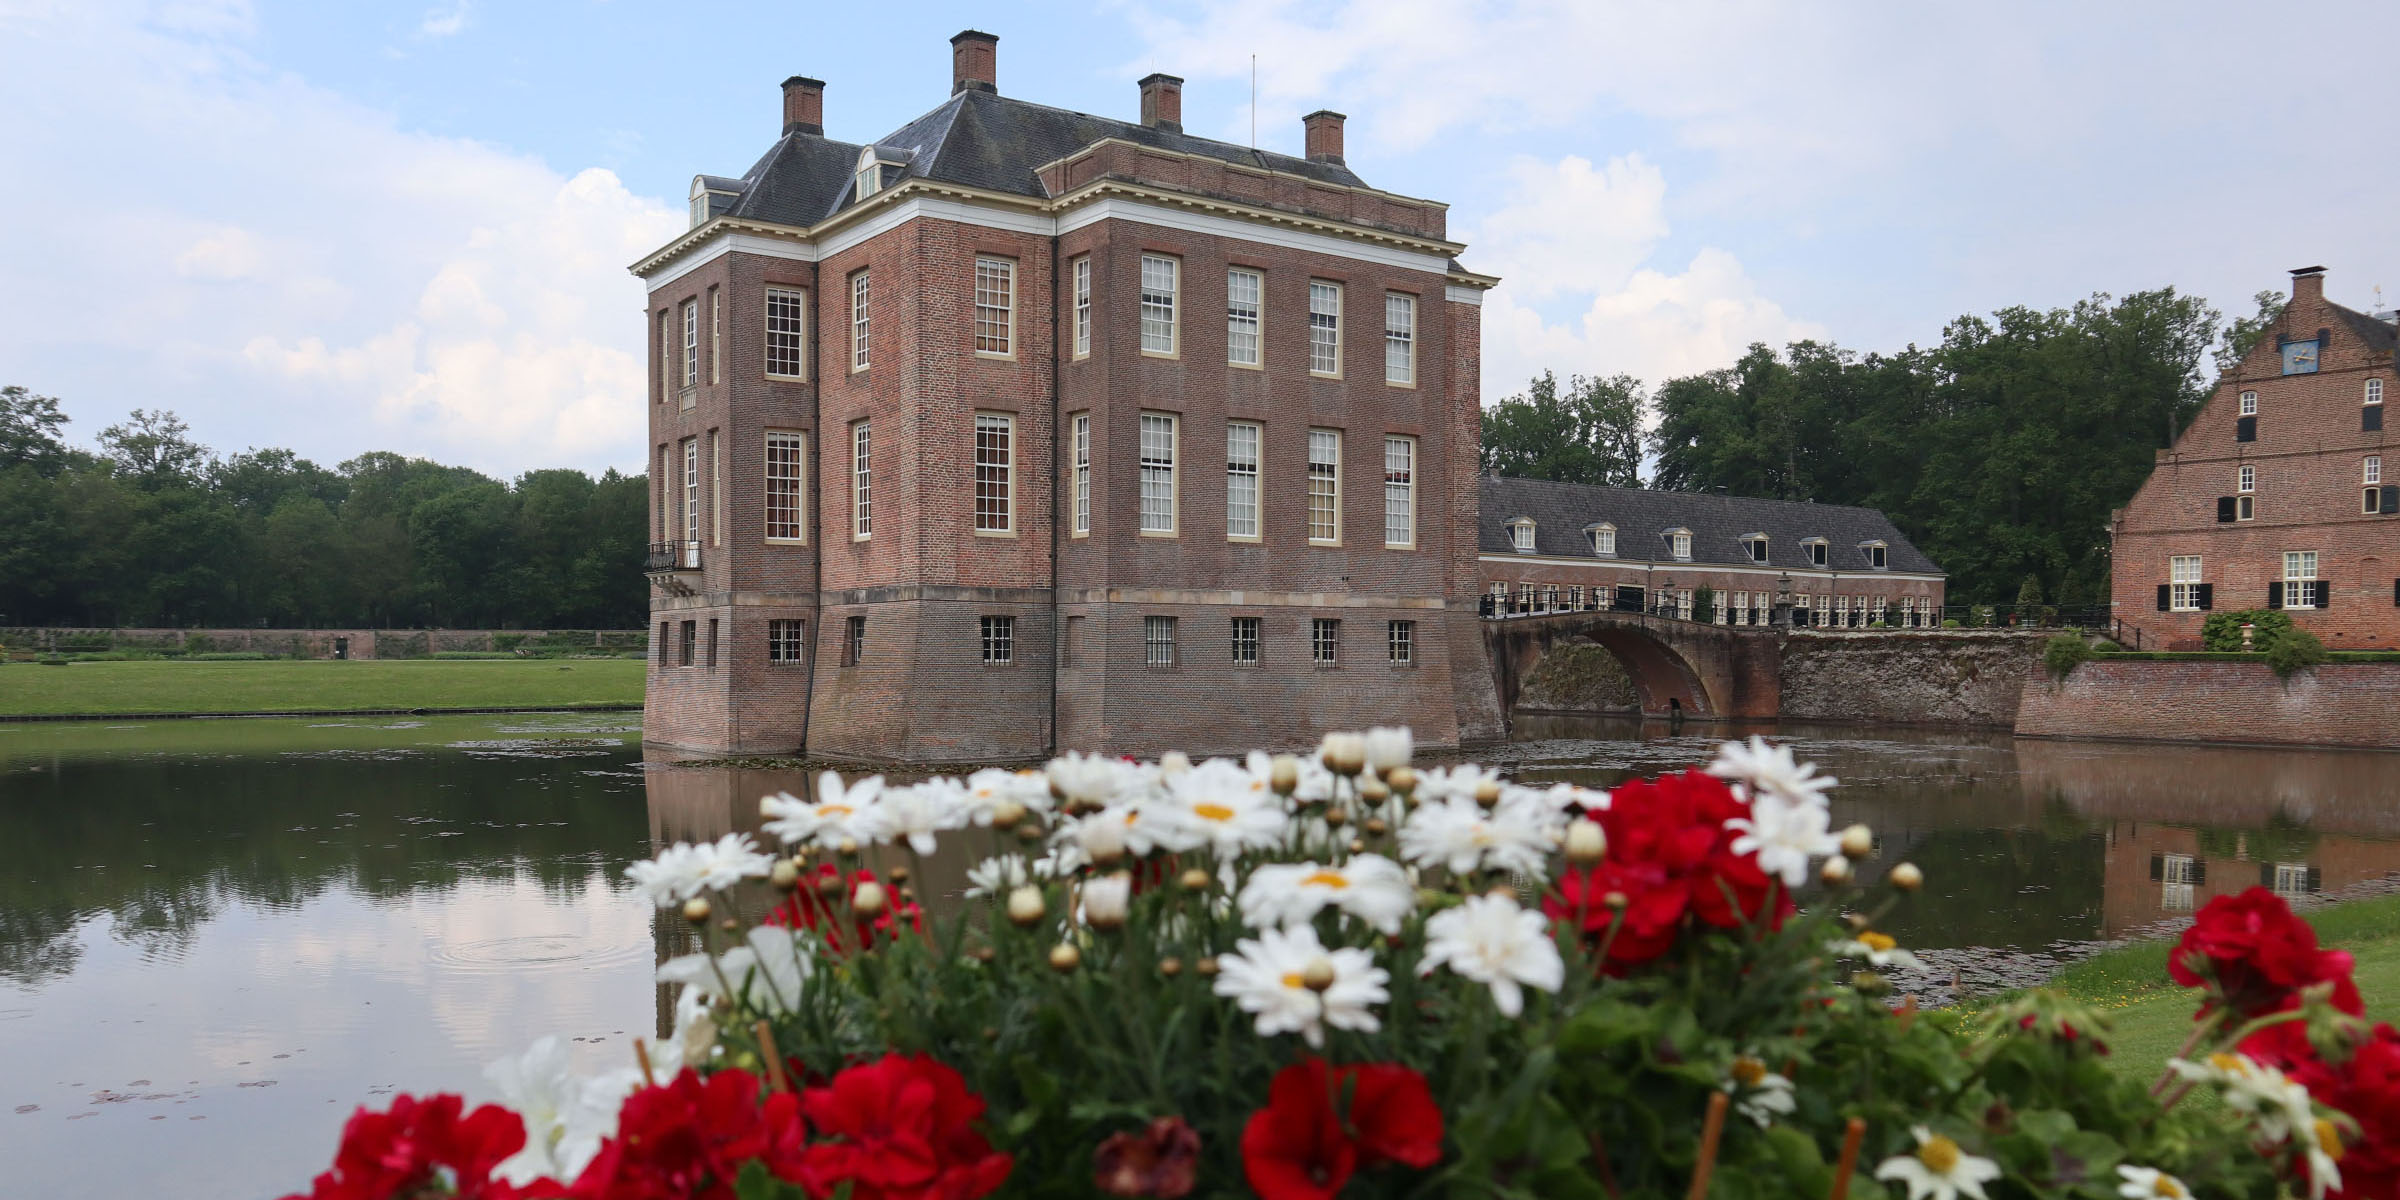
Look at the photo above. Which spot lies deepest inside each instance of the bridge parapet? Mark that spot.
(1678, 667)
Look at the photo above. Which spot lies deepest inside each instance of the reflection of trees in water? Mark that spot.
(162, 847)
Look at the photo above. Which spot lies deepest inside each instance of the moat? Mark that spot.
(219, 937)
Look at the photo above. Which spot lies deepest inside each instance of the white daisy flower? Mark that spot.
(1087, 778)
(1769, 770)
(1758, 1093)
(1315, 783)
(1785, 835)
(1107, 899)
(1388, 748)
(2275, 1106)
(1002, 874)
(2150, 1183)
(1462, 835)
(1879, 949)
(1267, 976)
(992, 787)
(766, 971)
(835, 813)
(695, 1038)
(919, 813)
(2324, 1146)
(566, 1116)
(1566, 799)
(1370, 887)
(1099, 837)
(1215, 805)
(1454, 783)
(684, 870)
(1493, 941)
(1939, 1169)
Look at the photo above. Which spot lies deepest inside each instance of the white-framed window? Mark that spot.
(666, 354)
(1161, 287)
(716, 488)
(716, 336)
(1158, 641)
(1245, 292)
(1400, 642)
(2292, 880)
(1399, 493)
(995, 485)
(999, 640)
(1574, 597)
(995, 306)
(1877, 555)
(1550, 597)
(1083, 474)
(1399, 338)
(787, 642)
(787, 333)
(1734, 609)
(862, 480)
(2300, 579)
(2374, 392)
(1524, 597)
(1756, 546)
(858, 321)
(2249, 404)
(1679, 543)
(1325, 487)
(1520, 535)
(1241, 479)
(1158, 473)
(2371, 469)
(1324, 641)
(691, 343)
(869, 176)
(691, 492)
(2183, 583)
(1324, 328)
(2246, 479)
(786, 508)
(854, 639)
(1816, 548)
(1604, 540)
(1083, 306)
(1245, 640)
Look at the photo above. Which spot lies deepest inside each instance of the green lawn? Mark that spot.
(29, 689)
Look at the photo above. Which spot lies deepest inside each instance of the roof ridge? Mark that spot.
(1610, 487)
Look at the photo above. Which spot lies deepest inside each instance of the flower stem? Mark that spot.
(1710, 1131)
(2206, 1026)
(1852, 1133)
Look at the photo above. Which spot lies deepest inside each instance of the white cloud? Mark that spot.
(442, 22)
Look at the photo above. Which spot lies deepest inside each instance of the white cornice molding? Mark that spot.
(1240, 169)
(728, 242)
(1654, 566)
(1462, 295)
(1125, 209)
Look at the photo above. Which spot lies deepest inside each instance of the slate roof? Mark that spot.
(978, 139)
(1560, 511)
(2377, 334)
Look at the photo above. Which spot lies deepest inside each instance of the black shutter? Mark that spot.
(2396, 593)
(2162, 597)
(2274, 595)
(2316, 879)
(2207, 597)
(2158, 867)
(2324, 591)
(2390, 498)
(2198, 872)
(2224, 510)
(2245, 429)
(2266, 874)
(2370, 418)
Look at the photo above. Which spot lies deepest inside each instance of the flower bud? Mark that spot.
(1487, 793)
(1170, 966)
(1207, 967)
(1317, 976)
(1283, 774)
(869, 900)
(785, 874)
(1378, 826)
(1337, 817)
(730, 925)
(1029, 832)
(1106, 901)
(695, 910)
(1025, 906)
(847, 848)
(1871, 984)
(985, 954)
(1586, 841)
(1835, 872)
(1616, 900)
(1402, 779)
(1344, 753)
(1387, 748)
(1373, 790)
(829, 886)
(1194, 879)
(899, 873)
(1907, 877)
(1174, 762)
(1858, 841)
(1064, 957)
(1358, 845)
(1006, 814)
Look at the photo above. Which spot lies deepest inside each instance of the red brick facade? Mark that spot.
(2336, 704)
(2239, 492)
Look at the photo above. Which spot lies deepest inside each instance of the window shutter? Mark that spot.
(2199, 871)
(2396, 593)
(2316, 879)
(2158, 867)
(2224, 510)
(2275, 595)
(2162, 597)
(2206, 596)
(2390, 498)
(2324, 590)
(2245, 429)
(2370, 418)
(2266, 874)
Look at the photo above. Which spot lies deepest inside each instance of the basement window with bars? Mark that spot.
(1245, 640)
(1158, 641)
(999, 640)
(1324, 640)
(787, 642)
(854, 640)
(1400, 639)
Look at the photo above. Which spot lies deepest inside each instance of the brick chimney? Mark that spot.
(1324, 135)
(974, 62)
(804, 105)
(1162, 102)
(2308, 282)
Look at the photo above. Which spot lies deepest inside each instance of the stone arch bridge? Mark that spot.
(1678, 667)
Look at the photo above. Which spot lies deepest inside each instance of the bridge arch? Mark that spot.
(1699, 671)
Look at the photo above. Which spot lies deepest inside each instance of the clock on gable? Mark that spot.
(2300, 358)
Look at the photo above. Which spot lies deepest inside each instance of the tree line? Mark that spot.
(2000, 451)
(157, 530)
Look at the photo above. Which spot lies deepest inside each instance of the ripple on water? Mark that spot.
(538, 952)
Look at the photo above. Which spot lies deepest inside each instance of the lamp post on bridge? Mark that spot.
(1783, 600)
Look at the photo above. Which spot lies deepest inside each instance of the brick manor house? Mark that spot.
(2276, 497)
(1018, 429)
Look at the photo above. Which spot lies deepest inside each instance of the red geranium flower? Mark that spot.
(689, 1138)
(1161, 1160)
(2255, 956)
(904, 1130)
(1669, 855)
(417, 1145)
(1299, 1148)
(804, 909)
(2366, 1087)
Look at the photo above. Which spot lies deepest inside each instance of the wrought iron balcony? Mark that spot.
(672, 558)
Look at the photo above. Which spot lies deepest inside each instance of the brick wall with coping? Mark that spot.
(2335, 704)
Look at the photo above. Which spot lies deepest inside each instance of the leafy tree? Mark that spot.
(29, 426)
(153, 448)
(2030, 592)
(2244, 333)
(1589, 433)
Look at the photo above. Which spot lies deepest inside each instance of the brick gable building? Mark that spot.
(1019, 429)
(2276, 496)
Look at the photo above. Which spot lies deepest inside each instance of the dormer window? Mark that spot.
(708, 201)
(1756, 546)
(1679, 543)
(1604, 539)
(1520, 534)
(870, 177)
(875, 169)
(1873, 552)
(1816, 549)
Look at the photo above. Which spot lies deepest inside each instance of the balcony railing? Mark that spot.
(667, 557)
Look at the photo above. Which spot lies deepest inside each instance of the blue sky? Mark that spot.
(344, 227)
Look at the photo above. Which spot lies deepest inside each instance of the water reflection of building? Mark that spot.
(2209, 821)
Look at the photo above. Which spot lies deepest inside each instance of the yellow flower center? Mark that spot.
(834, 809)
(1877, 942)
(1331, 879)
(1129, 819)
(1749, 1071)
(2166, 1186)
(1213, 812)
(2225, 1062)
(1939, 1154)
(2329, 1139)
(1291, 979)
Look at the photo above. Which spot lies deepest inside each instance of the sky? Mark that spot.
(405, 226)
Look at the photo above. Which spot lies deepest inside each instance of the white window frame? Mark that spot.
(2374, 392)
(1245, 327)
(999, 634)
(2249, 403)
(716, 488)
(1325, 641)
(1399, 339)
(2300, 567)
(1324, 329)
(1604, 540)
(862, 480)
(1877, 554)
(1245, 638)
(716, 336)
(1331, 477)
(1399, 492)
(1158, 641)
(1757, 548)
(787, 332)
(2183, 583)
(1157, 475)
(1083, 306)
(691, 493)
(995, 320)
(1083, 474)
(2370, 469)
(995, 461)
(690, 374)
(786, 463)
(1245, 443)
(787, 641)
(859, 292)
(1520, 535)
(2245, 479)
(1400, 642)
(1679, 544)
(1162, 331)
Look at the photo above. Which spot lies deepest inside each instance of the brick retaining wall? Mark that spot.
(2336, 704)
(318, 643)
(1916, 677)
